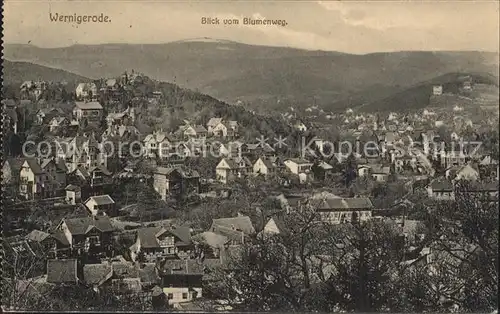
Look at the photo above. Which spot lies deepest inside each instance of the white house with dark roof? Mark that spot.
(298, 165)
(73, 194)
(154, 242)
(88, 234)
(230, 168)
(92, 111)
(236, 229)
(86, 90)
(175, 181)
(33, 180)
(266, 165)
(212, 123)
(158, 143)
(101, 205)
(343, 210)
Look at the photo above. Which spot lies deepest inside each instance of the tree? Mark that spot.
(366, 257)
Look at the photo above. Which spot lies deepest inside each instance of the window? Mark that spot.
(170, 296)
(184, 295)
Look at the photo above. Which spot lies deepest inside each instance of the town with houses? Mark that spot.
(164, 215)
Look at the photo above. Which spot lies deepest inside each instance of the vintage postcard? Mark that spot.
(233, 156)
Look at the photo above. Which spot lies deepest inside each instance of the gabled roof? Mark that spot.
(299, 161)
(60, 237)
(34, 166)
(101, 199)
(200, 129)
(91, 105)
(80, 226)
(15, 164)
(325, 166)
(380, 169)
(158, 137)
(332, 204)
(125, 270)
(214, 121)
(182, 267)
(149, 236)
(241, 223)
(111, 82)
(184, 172)
(62, 271)
(441, 184)
(46, 162)
(100, 168)
(279, 221)
(97, 274)
(149, 274)
(37, 236)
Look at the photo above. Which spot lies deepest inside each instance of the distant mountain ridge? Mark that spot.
(15, 73)
(263, 77)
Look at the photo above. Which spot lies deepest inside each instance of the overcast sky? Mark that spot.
(356, 27)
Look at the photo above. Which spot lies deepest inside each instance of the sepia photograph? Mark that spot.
(250, 156)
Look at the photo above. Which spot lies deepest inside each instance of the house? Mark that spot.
(322, 170)
(466, 172)
(343, 210)
(212, 123)
(96, 275)
(437, 90)
(57, 123)
(380, 173)
(46, 114)
(62, 271)
(175, 181)
(56, 170)
(275, 225)
(156, 242)
(158, 144)
(300, 126)
(236, 229)
(73, 194)
(88, 234)
(33, 89)
(95, 178)
(101, 205)
(213, 243)
(298, 165)
(181, 280)
(232, 149)
(267, 165)
(34, 182)
(121, 118)
(220, 130)
(441, 189)
(112, 84)
(453, 156)
(86, 91)
(194, 131)
(83, 151)
(44, 240)
(126, 278)
(91, 111)
(229, 168)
